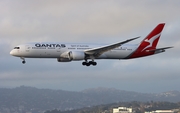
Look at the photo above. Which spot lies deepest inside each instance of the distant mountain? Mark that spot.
(32, 99)
(127, 96)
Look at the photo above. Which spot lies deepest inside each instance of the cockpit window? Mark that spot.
(16, 47)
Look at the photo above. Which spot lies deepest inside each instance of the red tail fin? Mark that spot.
(149, 43)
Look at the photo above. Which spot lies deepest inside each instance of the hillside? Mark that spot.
(32, 99)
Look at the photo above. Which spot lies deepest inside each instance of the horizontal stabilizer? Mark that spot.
(159, 49)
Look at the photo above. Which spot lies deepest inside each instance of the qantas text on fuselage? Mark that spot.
(66, 52)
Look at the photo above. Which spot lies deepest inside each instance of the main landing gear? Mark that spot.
(89, 63)
(23, 60)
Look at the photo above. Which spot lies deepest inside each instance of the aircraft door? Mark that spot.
(58, 49)
(27, 48)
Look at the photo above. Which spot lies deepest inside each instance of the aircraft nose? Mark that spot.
(11, 53)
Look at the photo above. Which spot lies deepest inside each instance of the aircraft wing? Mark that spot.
(159, 49)
(100, 50)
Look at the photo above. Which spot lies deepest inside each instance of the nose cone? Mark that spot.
(12, 53)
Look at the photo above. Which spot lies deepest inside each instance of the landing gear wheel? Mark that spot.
(94, 63)
(84, 63)
(23, 62)
(89, 63)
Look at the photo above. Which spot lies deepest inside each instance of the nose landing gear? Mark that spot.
(23, 60)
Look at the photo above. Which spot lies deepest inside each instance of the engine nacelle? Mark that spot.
(77, 55)
(63, 60)
(71, 55)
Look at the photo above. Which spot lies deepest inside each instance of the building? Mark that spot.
(161, 111)
(122, 110)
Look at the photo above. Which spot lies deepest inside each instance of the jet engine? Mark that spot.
(71, 55)
(63, 60)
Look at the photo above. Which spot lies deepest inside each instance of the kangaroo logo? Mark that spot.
(151, 40)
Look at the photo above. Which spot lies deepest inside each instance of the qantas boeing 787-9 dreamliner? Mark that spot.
(66, 52)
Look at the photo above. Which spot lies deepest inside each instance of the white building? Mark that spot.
(161, 111)
(122, 110)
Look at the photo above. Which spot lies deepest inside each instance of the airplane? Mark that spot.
(67, 52)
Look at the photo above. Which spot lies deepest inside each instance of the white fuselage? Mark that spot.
(66, 52)
(54, 50)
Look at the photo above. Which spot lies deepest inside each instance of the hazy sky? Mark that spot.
(102, 21)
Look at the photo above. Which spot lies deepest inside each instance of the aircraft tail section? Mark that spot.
(149, 43)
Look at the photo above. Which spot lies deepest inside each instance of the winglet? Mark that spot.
(128, 40)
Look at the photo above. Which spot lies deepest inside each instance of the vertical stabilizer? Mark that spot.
(149, 43)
